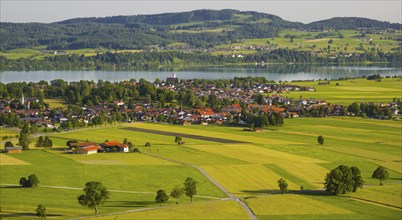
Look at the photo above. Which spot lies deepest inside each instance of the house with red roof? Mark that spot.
(92, 149)
(114, 146)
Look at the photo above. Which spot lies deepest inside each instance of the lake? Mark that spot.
(275, 72)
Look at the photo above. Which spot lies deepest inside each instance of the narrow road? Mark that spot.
(231, 197)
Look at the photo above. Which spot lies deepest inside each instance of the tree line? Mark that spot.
(157, 60)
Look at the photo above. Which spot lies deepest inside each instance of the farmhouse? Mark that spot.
(74, 145)
(93, 149)
(84, 147)
(13, 150)
(113, 146)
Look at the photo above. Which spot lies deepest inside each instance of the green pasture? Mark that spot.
(349, 91)
(9, 132)
(140, 175)
(306, 205)
(199, 210)
(15, 54)
(248, 170)
(56, 103)
(307, 41)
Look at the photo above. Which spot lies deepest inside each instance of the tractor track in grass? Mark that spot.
(192, 136)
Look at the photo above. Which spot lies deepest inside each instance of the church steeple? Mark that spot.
(22, 98)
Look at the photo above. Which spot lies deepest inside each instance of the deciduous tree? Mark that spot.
(320, 139)
(41, 211)
(339, 180)
(283, 185)
(161, 196)
(176, 193)
(95, 195)
(380, 173)
(190, 188)
(357, 178)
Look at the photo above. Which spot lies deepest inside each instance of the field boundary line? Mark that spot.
(230, 195)
(374, 202)
(192, 136)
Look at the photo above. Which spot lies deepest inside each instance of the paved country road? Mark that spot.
(231, 197)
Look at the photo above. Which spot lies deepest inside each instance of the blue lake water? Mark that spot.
(271, 72)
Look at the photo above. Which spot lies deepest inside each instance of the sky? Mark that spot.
(47, 11)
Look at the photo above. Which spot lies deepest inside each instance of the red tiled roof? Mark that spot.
(82, 144)
(111, 143)
(114, 144)
(93, 147)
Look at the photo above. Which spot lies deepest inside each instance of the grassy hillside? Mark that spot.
(249, 171)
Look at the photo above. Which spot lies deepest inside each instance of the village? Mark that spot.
(225, 104)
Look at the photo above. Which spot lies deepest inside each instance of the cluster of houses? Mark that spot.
(241, 92)
(93, 147)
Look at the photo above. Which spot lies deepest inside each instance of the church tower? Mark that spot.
(22, 98)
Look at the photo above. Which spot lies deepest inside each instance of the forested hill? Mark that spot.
(195, 29)
(352, 23)
(234, 16)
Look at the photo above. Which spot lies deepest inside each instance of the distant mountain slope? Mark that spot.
(175, 18)
(352, 23)
(197, 29)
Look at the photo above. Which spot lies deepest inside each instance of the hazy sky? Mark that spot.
(295, 10)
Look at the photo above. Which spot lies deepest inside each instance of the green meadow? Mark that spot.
(345, 92)
(350, 42)
(248, 171)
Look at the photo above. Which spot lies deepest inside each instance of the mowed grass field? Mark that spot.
(349, 91)
(248, 170)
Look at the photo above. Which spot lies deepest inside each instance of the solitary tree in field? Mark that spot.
(357, 179)
(41, 211)
(178, 139)
(95, 195)
(176, 193)
(190, 188)
(161, 196)
(380, 173)
(339, 180)
(320, 139)
(283, 185)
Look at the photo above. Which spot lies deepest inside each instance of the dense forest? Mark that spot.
(169, 60)
(144, 31)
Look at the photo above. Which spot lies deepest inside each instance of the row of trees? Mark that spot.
(152, 60)
(189, 189)
(343, 179)
(44, 142)
(96, 194)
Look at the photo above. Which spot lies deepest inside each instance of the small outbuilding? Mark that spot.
(13, 150)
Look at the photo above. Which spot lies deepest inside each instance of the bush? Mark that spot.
(32, 181)
(147, 144)
(320, 139)
(136, 150)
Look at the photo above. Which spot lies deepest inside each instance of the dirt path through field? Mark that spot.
(198, 137)
(231, 197)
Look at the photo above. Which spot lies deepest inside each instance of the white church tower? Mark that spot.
(22, 98)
